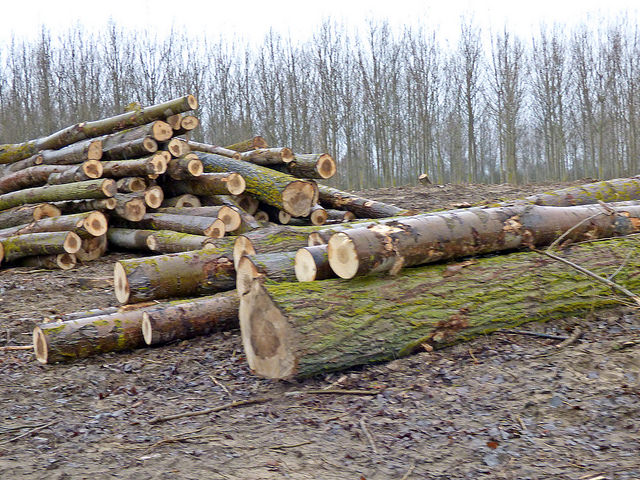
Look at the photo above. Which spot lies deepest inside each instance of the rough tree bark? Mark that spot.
(41, 243)
(88, 224)
(276, 267)
(361, 207)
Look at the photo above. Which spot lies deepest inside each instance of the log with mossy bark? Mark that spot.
(27, 213)
(228, 215)
(89, 189)
(312, 264)
(169, 241)
(616, 190)
(139, 147)
(227, 183)
(201, 316)
(198, 272)
(88, 170)
(138, 167)
(276, 267)
(185, 167)
(309, 165)
(41, 243)
(88, 224)
(269, 240)
(250, 144)
(361, 207)
(428, 238)
(61, 261)
(158, 130)
(304, 329)
(210, 227)
(39, 175)
(294, 196)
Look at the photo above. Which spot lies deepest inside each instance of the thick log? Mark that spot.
(215, 149)
(139, 147)
(199, 272)
(246, 145)
(27, 214)
(39, 175)
(283, 191)
(169, 241)
(269, 240)
(312, 263)
(207, 184)
(303, 329)
(61, 261)
(88, 224)
(13, 152)
(130, 206)
(99, 188)
(128, 238)
(154, 196)
(310, 165)
(76, 153)
(88, 170)
(276, 267)
(199, 317)
(182, 201)
(185, 167)
(131, 184)
(428, 238)
(42, 243)
(616, 190)
(228, 215)
(93, 312)
(79, 206)
(179, 223)
(92, 248)
(139, 167)
(361, 207)
(266, 156)
(176, 147)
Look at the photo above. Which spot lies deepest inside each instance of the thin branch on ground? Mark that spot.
(335, 392)
(239, 403)
(33, 430)
(11, 348)
(534, 334)
(366, 431)
(565, 234)
(577, 333)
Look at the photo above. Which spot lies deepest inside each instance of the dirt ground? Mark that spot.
(504, 406)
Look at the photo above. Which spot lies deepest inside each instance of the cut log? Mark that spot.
(246, 145)
(176, 147)
(140, 147)
(27, 214)
(208, 184)
(311, 165)
(199, 272)
(312, 263)
(423, 179)
(428, 238)
(201, 316)
(168, 241)
(182, 201)
(361, 207)
(131, 206)
(174, 121)
(179, 223)
(154, 196)
(283, 191)
(139, 167)
(76, 153)
(616, 190)
(185, 167)
(266, 156)
(88, 224)
(228, 215)
(93, 312)
(188, 123)
(269, 240)
(38, 175)
(300, 330)
(273, 214)
(92, 248)
(158, 130)
(79, 206)
(31, 161)
(44, 243)
(276, 267)
(215, 149)
(128, 238)
(261, 216)
(131, 184)
(13, 152)
(334, 215)
(88, 170)
(61, 261)
(99, 188)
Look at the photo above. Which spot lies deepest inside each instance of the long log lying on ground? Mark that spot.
(39, 175)
(87, 224)
(140, 147)
(99, 188)
(183, 274)
(210, 227)
(42, 243)
(283, 191)
(277, 267)
(615, 190)
(300, 330)
(428, 238)
(362, 207)
(27, 214)
(199, 317)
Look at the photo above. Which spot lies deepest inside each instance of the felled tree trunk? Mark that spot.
(185, 167)
(150, 165)
(27, 214)
(99, 188)
(246, 145)
(361, 207)
(168, 241)
(92, 248)
(181, 201)
(78, 206)
(303, 329)
(76, 153)
(309, 165)
(131, 184)
(228, 215)
(140, 147)
(183, 274)
(176, 147)
(215, 149)
(312, 263)
(428, 238)
(88, 170)
(283, 191)
(201, 316)
(61, 261)
(276, 267)
(13, 152)
(267, 156)
(616, 190)
(129, 238)
(88, 224)
(228, 183)
(269, 240)
(178, 223)
(42, 243)
(130, 206)
(39, 175)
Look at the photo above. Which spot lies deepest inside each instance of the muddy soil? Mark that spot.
(504, 406)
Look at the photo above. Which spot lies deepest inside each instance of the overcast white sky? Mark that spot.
(250, 19)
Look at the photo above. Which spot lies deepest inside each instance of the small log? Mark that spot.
(311, 165)
(228, 215)
(131, 184)
(88, 224)
(99, 188)
(176, 147)
(79, 206)
(187, 124)
(208, 184)
(215, 149)
(199, 317)
(130, 206)
(267, 156)
(158, 130)
(154, 196)
(38, 175)
(304, 329)
(61, 261)
(31, 161)
(169, 241)
(261, 216)
(10, 153)
(283, 191)
(174, 121)
(42, 243)
(178, 223)
(182, 201)
(73, 154)
(90, 169)
(27, 214)
(423, 179)
(246, 145)
(92, 248)
(151, 165)
(128, 238)
(139, 147)
(361, 207)
(273, 214)
(268, 240)
(199, 272)
(334, 215)
(276, 267)
(185, 167)
(312, 263)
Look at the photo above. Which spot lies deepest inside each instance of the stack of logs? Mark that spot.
(358, 302)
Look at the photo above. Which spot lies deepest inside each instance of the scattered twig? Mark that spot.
(33, 430)
(219, 408)
(279, 447)
(534, 334)
(366, 431)
(473, 357)
(335, 391)
(410, 471)
(624, 264)
(10, 348)
(564, 235)
(589, 273)
(220, 384)
(577, 333)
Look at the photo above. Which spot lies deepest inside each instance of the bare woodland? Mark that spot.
(488, 108)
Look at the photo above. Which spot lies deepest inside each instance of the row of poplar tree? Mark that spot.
(387, 104)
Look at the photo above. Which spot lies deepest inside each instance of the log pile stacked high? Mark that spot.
(317, 279)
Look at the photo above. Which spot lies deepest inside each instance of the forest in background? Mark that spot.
(490, 107)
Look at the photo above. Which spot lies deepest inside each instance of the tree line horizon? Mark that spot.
(388, 105)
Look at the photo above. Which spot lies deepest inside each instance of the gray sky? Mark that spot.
(250, 20)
